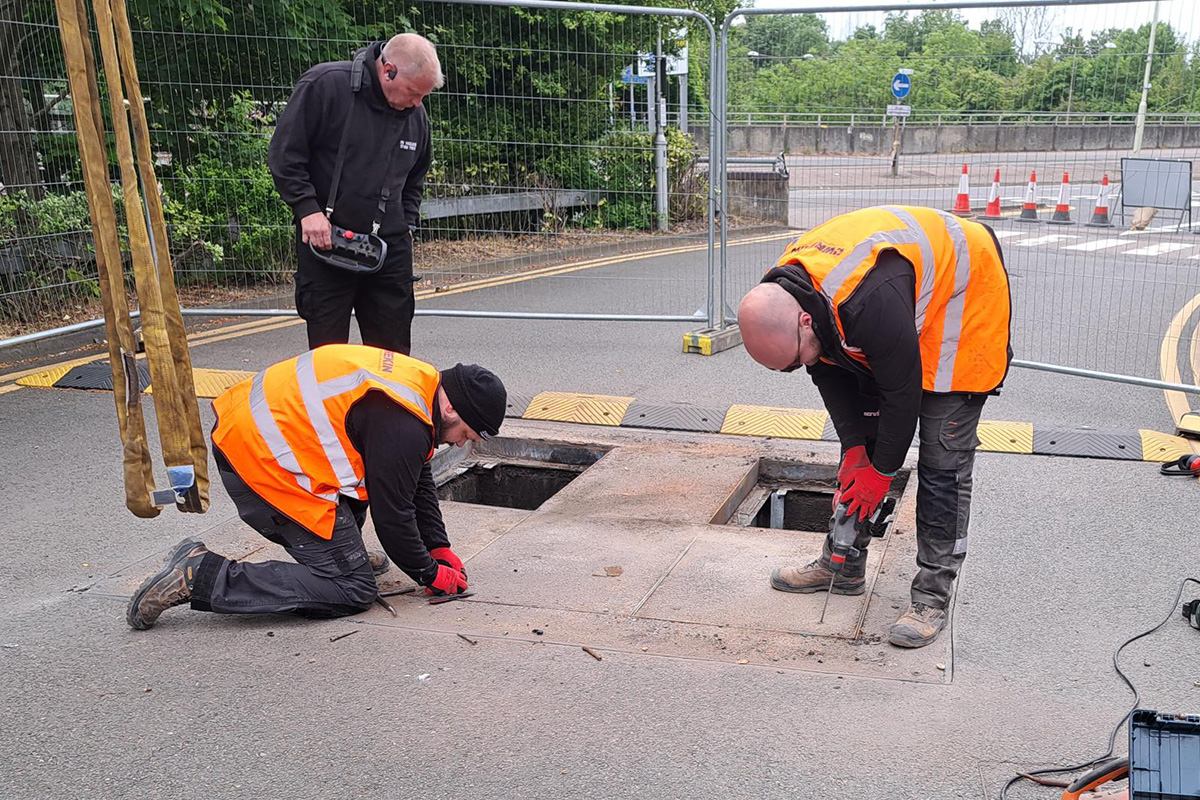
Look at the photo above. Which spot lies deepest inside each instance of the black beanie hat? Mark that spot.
(478, 397)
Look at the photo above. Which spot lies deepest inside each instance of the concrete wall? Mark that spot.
(758, 195)
(764, 140)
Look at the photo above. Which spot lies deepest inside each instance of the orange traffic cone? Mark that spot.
(1100, 212)
(1062, 211)
(1029, 208)
(993, 204)
(962, 201)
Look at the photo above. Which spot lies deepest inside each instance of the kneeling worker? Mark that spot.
(302, 449)
(899, 314)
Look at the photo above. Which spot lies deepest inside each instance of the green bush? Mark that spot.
(623, 162)
(231, 218)
(624, 165)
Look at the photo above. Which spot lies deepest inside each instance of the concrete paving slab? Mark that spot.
(656, 479)
(722, 580)
(549, 561)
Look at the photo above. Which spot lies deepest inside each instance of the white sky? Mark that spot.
(1184, 15)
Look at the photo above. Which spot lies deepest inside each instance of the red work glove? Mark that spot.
(866, 490)
(444, 555)
(855, 458)
(447, 581)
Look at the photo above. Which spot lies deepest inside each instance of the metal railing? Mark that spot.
(783, 117)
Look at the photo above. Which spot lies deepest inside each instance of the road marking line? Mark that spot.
(1168, 362)
(1157, 249)
(1007, 234)
(564, 269)
(12, 387)
(1049, 239)
(1099, 244)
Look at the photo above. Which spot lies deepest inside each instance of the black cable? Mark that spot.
(1137, 697)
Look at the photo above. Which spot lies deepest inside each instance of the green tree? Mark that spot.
(786, 35)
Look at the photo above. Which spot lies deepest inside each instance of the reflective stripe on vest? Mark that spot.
(837, 273)
(284, 429)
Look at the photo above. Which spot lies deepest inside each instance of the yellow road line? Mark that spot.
(287, 323)
(1168, 358)
(563, 269)
(12, 387)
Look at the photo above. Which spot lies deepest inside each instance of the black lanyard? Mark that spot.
(356, 77)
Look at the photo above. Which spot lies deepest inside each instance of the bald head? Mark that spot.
(408, 70)
(414, 57)
(776, 331)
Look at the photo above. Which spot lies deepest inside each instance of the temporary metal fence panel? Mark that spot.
(543, 198)
(1095, 301)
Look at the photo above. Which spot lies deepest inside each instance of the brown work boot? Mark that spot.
(815, 578)
(919, 626)
(170, 586)
(379, 561)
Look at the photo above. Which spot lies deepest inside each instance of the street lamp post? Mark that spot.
(1140, 130)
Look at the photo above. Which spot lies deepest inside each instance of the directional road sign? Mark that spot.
(627, 76)
(901, 85)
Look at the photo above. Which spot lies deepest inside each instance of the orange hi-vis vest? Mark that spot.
(962, 293)
(284, 429)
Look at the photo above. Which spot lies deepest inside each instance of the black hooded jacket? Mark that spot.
(879, 318)
(384, 145)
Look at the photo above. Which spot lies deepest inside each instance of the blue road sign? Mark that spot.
(628, 76)
(901, 85)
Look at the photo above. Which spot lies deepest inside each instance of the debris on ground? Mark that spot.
(423, 677)
(592, 653)
(538, 631)
(437, 601)
(467, 639)
(342, 635)
(609, 572)
(385, 604)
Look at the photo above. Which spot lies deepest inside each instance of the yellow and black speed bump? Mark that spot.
(1163, 446)
(588, 409)
(740, 420)
(518, 402)
(211, 382)
(673, 417)
(782, 423)
(1087, 443)
(95, 375)
(1005, 437)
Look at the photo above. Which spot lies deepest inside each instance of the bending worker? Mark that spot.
(303, 449)
(900, 314)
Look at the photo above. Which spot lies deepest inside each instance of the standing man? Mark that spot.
(304, 448)
(370, 110)
(900, 314)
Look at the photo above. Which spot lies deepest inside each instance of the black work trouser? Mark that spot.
(331, 578)
(948, 434)
(383, 302)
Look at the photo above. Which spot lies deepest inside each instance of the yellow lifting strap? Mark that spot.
(175, 405)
